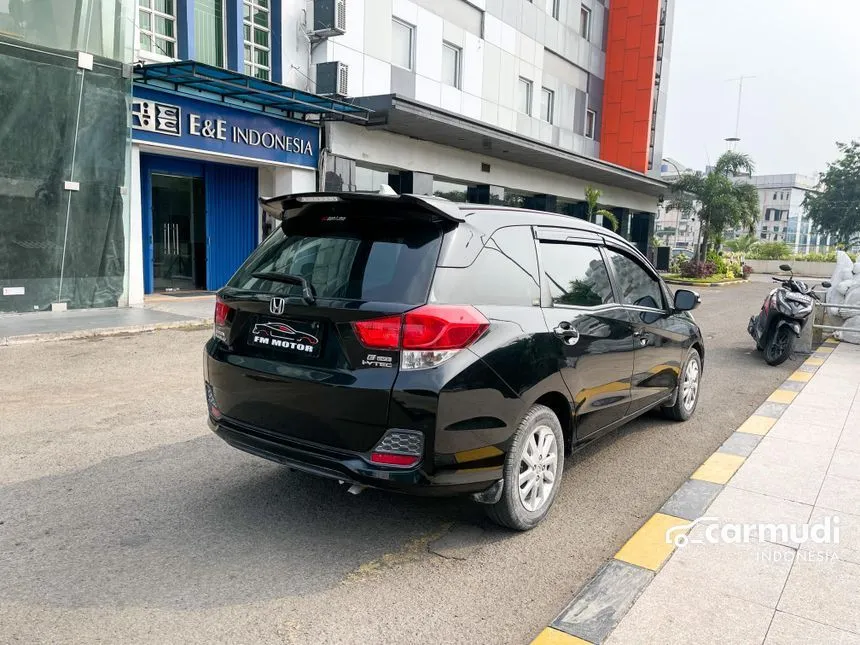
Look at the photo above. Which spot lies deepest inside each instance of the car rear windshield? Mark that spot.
(348, 253)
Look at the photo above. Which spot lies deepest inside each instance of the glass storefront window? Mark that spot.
(369, 179)
(256, 24)
(209, 31)
(100, 27)
(450, 190)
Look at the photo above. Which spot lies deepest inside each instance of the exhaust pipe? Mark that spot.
(356, 489)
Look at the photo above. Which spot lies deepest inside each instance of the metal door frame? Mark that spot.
(158, 164)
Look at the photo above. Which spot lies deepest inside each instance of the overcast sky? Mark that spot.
(805, 55)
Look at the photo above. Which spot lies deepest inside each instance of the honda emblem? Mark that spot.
(276, 306)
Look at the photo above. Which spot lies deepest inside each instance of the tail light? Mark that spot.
(222, 313)
(399, 448)
(428, 336)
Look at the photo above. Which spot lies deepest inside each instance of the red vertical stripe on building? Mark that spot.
(628, 95)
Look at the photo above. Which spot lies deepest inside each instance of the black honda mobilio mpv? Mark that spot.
(418, 345)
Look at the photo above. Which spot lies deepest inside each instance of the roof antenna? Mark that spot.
(385, 189)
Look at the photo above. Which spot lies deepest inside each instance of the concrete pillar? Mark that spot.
(408, 182)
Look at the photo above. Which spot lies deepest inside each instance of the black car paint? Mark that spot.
(469, 407)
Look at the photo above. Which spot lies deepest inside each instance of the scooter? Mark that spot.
(782, 316)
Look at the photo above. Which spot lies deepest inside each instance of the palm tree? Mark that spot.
(721, 202)
(592, 195)
(742, 244)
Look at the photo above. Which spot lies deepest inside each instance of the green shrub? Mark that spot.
(717, 260)
(770, 251)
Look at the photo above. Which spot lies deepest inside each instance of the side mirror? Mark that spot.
(686, 300)
(785, 267)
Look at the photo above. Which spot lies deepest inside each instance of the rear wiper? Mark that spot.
(307, 290)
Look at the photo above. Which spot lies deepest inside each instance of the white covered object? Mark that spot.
(852, 297)
(843, 272)
(852, 333)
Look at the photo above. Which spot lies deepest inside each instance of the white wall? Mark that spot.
(395, 151)
(296, 20)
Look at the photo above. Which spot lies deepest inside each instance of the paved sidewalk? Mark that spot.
(159, 312)
(805, 469)
(760, 545)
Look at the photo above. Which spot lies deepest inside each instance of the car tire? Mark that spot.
(687, 396)
(523, 507)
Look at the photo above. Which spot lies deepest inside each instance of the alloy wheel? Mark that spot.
(690, 385)
(538, 466)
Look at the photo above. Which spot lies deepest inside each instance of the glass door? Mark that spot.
(178, 209)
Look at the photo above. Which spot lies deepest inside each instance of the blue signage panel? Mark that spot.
(178, 120)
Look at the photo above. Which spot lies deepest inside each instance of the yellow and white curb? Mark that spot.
(600, 605)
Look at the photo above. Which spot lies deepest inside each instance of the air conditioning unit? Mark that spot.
(329, 18)
(333, 79)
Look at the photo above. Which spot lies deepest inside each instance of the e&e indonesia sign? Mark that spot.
(185, 122)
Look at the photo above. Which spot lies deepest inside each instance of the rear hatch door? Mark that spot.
(292, 364)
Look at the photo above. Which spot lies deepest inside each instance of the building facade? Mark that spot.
(64, 136)
(218, 102)
(514, 102)
(783, 217)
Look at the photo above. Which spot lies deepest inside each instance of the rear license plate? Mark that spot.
(291, 336)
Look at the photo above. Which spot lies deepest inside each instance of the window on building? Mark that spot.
(590, 122)
(585, 22)
(209, 31)
(777, 215)
(776, 229)
(547, 104)
(763, 235)
(157, 27)
(767, 215)
(524, 96)
(556, 6)
(401, 44)
(451, 65)
(258, 39)
(576, 275)
(774, 197)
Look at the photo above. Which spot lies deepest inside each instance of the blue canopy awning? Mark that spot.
(239, 90)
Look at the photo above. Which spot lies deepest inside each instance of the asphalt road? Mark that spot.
(123, 519)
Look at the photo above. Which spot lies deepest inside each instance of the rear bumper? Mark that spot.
(350, 467)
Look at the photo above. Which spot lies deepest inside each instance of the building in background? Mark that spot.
(500, 101)
(159, 148)
(782, 217)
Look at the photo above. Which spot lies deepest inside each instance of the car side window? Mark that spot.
(504, 273)
(637, 286)
(575, 274)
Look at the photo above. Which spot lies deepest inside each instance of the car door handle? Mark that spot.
(567, 333)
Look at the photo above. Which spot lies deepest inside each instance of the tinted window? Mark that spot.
(576, 274)
(347, 256)
(638, 287)
(504, 273)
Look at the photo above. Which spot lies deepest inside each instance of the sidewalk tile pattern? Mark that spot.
(794, 461)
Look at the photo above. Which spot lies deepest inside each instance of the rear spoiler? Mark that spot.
(278, 207)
